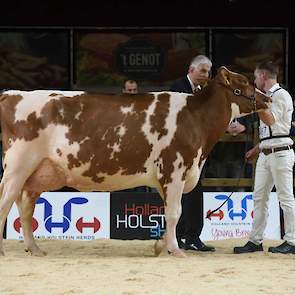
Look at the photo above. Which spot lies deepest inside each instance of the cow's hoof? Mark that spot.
(37, 252)
(177, 253)
(158, 247)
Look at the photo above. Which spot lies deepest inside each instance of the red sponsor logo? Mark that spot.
(80, 224)
(218, 214)
(17, 224)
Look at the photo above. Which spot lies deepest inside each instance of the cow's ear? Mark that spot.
(224, 75)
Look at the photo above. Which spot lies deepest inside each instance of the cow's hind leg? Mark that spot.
(1, 230)
(11, 191)
(19, 168)
(26, 206)
(172, 194)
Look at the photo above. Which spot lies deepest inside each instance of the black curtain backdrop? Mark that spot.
(155, 13)
(147, 13)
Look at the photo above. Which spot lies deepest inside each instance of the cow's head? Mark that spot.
(245, 98)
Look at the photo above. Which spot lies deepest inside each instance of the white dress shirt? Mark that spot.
(282, 109)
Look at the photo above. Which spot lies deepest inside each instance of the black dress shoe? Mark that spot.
(284, 248)
(248, 248)
(181, 244)
(199, 247)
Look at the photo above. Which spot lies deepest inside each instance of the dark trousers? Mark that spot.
(191, 221)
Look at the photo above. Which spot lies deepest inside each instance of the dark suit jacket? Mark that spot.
(182, 85)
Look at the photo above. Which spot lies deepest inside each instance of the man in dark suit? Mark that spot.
(191, 221)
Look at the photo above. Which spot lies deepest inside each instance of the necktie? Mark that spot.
(197, 88)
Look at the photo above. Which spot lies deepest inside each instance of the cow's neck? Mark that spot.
(215, 110)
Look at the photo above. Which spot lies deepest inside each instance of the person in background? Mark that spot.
(275, 163)
(130, 86)
(191, 221)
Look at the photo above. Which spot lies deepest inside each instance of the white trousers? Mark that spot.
(274, 169)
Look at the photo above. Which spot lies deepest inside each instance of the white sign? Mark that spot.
(235, 218)
(66, 215)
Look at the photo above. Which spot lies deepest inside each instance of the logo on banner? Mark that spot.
(137, 218)
(235, 218)
(17, 224)
(67, 216)
(233, 213)
(61, 215)
(145, 216)
(140, 58)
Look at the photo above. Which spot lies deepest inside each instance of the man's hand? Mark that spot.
(235, 128)
(251, 154)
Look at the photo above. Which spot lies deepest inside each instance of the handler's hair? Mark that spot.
(270, 67)
(200, 59)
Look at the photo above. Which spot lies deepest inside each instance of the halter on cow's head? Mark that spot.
(244, 97)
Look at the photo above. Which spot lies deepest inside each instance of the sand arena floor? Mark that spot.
(130, 268)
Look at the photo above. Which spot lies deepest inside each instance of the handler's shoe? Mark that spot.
(284, 248)
(181, 244)
(198, 245)
(248, 248)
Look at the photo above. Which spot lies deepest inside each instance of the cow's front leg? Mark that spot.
(171, 194)
(172, 214)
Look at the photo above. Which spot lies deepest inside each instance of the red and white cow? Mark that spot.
(100, 142)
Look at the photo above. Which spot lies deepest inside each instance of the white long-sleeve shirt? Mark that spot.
(282, 109)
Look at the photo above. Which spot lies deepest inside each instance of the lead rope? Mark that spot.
(239, 179)
(209, 213)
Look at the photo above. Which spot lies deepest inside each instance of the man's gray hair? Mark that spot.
(200, 59)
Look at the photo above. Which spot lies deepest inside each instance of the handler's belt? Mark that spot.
(277, 149)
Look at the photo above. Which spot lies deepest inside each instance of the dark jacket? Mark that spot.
(182, 85)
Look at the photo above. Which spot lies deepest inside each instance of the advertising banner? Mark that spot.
(235, 218)
(66, 215)
(137, 216)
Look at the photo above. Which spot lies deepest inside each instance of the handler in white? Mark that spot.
(275, 163)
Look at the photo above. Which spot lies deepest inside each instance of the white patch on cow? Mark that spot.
(127, 110)
(115, 149)
(84, 139)
(176, 175)
(62, 112)
(235, 111)
(177, 101)
(146, 127)
(193, 174)
(76, 180)
(174, 191)
(34, 101)
(77, 116)
(122, 130)
(160, 165)
(44, 146)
